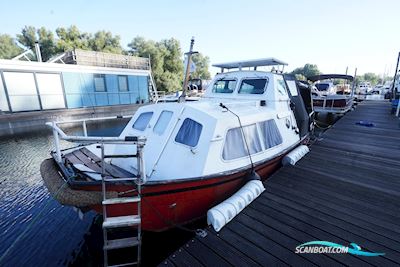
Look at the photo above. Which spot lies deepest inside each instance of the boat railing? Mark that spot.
(59, 134)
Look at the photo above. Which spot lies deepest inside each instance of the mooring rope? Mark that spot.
(169, 222)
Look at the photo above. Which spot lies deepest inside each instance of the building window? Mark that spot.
(123, 83)
(189, 133)
(162, 122)
(235, 147)
(224, 86)
(253, 86)
(270, 134)
(142, 121)
(100, 83)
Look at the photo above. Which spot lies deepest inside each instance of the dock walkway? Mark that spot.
(346, 190)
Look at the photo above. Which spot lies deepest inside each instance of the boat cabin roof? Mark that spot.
(330, 76)
(250, 63)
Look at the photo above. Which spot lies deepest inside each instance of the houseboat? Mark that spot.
(180, 159)
(75, 79)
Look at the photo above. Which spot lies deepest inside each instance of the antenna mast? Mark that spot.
(182, 98)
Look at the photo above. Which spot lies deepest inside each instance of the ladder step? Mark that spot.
(125, 179)
(124, 264)
(120, 200)
(121, 156)
(121, 221)
(121, 243)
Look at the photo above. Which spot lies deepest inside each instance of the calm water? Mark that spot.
(35, 230)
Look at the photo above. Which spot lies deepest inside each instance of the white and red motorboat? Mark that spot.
(186, 156)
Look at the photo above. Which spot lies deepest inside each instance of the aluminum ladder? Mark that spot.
(152, 89)
(122, 222)
(152, 85)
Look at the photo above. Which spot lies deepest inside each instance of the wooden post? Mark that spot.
(354, 83)
(395, 73)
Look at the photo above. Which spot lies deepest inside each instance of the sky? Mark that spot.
(333, 34)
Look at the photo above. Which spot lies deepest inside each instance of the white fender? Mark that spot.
(224, 212)
(295, 155)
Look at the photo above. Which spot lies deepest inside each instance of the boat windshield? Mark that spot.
(224, 86)
(322, 86)
(253, 86)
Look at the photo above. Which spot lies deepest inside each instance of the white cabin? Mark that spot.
(201, 138)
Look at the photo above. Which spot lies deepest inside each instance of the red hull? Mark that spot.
(175, 203)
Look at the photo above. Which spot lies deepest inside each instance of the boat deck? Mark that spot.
(85, 157)
(346, 190)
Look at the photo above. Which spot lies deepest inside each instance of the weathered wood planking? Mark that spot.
(347, 189)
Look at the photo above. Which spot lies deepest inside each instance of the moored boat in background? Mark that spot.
(332, 102)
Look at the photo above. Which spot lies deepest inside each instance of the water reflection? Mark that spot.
(35, 229)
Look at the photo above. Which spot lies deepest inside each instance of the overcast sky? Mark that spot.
(333, 34)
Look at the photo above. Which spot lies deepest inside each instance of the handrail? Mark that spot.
(92, 119)
(58, 134)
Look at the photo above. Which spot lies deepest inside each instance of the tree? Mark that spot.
(300, 77)
(104, 41)
(308, 70)
(371, 77)
(166, 61)
(8, 47)
(47, 43)
(30, 35)
(71, 38)
(202, 63)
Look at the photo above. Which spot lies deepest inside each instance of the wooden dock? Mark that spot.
(346, 190)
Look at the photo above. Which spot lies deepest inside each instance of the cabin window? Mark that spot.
(142, 121)
(99, 83)
(224, 86)
(162, 122)
(253, 86)
(270, 134)
(322, 86)
(292, 87)
(235, 147)
(189, 133)
(123, 83)
(281, 86)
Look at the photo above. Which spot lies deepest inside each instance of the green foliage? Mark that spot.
(71, 38)
(68, 39)
(8, 47)
(165, 55)
(29, 35)
(202, 63)
(371, 77)
(166, 61)
(47, 43)
(300, 77)
(307, 71)
(105, 42)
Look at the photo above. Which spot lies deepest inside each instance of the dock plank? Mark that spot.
(345, 190)
(204, 255)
